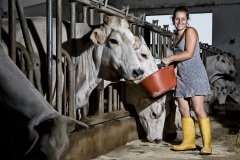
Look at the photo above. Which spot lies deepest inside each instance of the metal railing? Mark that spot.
(109, 101)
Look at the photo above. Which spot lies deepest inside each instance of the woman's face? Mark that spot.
(180, 20)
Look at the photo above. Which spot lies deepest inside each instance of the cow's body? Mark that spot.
(235, 95)
(107, 54)
(219, 65)
(151, 112)
(137, 96)
(46, 130)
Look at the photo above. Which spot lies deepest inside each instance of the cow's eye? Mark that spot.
(223, 61)
(113, 41)
(144, 55)
(153, 115)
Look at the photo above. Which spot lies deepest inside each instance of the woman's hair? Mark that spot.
(180, 9)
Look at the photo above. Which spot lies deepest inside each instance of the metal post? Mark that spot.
(158, 46)
(153, 44)
(101, 16)
(72, 98)
(1, 20)
(28, 43)
(91, 13)
(85, 14)
(110, 99)
(59, 55)
(49, 49)
(12, 30)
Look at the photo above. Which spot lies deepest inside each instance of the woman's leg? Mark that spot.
(188, 127)
(184, 108)
(198, 106)
(204, 124)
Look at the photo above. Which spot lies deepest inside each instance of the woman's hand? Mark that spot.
(166, 61)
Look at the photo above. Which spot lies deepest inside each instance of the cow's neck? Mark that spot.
(89, 64)
(19, 94)
(210, 67)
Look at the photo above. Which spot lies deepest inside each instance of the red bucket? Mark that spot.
(160, 81)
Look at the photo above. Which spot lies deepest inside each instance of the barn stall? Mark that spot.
(108, 115)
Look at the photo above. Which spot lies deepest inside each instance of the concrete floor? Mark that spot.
(142, 150)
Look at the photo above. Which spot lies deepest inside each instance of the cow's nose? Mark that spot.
(157, 141)
(137, 72)
(231, 72)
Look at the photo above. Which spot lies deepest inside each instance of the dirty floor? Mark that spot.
(225, 142)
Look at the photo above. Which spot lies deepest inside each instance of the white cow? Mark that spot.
(233, 90)
(151, 112)
(44, 132)
(235, 95)
(221, 90)
(105, 52)
(220, 64)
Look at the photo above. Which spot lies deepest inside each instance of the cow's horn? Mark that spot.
(105, 20)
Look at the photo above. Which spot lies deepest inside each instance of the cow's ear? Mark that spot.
(98, 36)
(73, 124)
(142, 39)
(33, 138)
(137, 43)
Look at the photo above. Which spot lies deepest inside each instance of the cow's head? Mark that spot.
(152, 118)
(224, 64)
(53, 136)
(145, 57)
(151, 112)
(118, 58)
(220, 90)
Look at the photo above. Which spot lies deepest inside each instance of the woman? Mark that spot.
(192, 82)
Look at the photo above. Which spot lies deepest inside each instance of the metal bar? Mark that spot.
(28, 61)
(134, 30)
(139, 30)
(49, 49)
(114, 99)
(59, 55)
(64, 112)
(72, 92)
(153, 44)
(164, 46)
(110, 97)
(114, 11)
(85, 17)
(1, 21)
(100, 107)
(91, 16)
(28, 43)
(122, 93)
(101, 15)
(158, 46)
(108, 9)
(12, 30)
(71, 84)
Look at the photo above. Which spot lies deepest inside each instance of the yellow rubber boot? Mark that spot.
(189, 134)
(204, 125)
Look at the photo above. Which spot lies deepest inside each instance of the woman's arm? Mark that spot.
(191, 37)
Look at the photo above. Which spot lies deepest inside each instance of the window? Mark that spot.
(202, 22)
